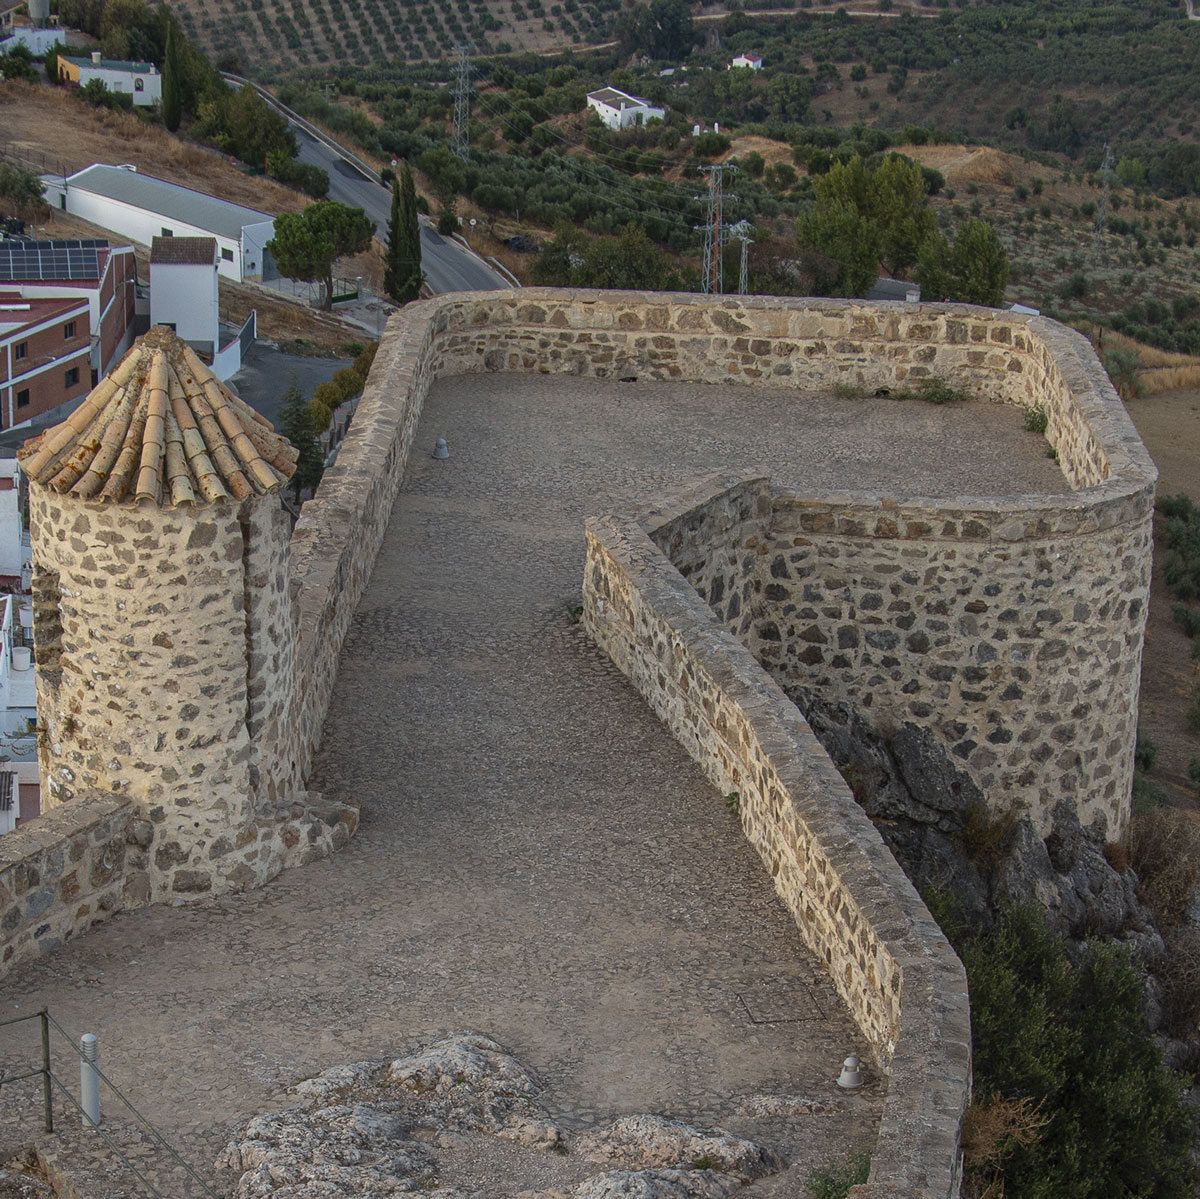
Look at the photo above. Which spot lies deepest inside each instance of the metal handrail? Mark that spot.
(51, 1080)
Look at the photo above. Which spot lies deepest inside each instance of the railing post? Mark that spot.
(47, 1092)
(89, 1080)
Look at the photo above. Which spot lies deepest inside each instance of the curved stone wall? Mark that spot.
(1091, 547)
(856, 910)
(1031, 673)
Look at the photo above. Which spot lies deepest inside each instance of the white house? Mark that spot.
(618, 109)
(183, 289)
(141, 80)
(39, 42)
(142, 207)
(752, 61)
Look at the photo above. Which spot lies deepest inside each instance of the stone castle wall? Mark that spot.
(847, 894)
(852, 903)
(164, 678)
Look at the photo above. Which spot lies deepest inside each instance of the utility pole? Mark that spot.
(462, 101)
(1106, 173)
(741, 233)
(715, 232)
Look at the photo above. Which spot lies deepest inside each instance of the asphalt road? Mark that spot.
(447, 266)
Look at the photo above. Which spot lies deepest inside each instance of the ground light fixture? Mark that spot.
(851, 1076)
(441, 450)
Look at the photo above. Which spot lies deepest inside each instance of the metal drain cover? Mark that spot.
(779, 1001)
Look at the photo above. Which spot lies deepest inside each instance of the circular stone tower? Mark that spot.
(163, 628)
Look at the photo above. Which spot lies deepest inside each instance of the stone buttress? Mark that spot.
(163, 628)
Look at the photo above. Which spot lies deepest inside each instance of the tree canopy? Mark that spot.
(662, 29)
(297, 425)
(972, 270)
(628, 260)
(306, 244)
(20, 189)
(863, 218)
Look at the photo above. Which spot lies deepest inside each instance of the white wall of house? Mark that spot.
(37, 41)
(12, 551)
(185, 295)
(632, 113)
(254, 239)
(145, 87)
(142, 226)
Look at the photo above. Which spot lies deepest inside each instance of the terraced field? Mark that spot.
(277, 36)
(284, 34)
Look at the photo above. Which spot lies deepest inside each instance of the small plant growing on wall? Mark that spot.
(1036, 418)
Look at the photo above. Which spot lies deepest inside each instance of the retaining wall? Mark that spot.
(65, 871)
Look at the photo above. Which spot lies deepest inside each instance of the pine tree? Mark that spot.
(402, 280)
(172, 85)
(296, 424)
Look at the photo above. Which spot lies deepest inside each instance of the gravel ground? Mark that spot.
(538, 860)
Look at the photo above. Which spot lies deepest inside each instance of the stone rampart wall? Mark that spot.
(65, 871)
(338, 535)
(1016, 636)
(852, 903)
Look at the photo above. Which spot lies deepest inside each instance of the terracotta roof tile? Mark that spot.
(160, 428)
(183, 251)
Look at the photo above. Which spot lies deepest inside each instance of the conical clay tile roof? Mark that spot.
(161, 429)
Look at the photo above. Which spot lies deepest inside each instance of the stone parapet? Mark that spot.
(853, 905)
(65, 871)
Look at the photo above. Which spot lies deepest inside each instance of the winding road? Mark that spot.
(448, 266)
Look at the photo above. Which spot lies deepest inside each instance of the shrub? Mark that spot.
(834, 1182)
(1144, 752)
(1164, 849)
(710, 145)
(1179, 974)
(938, 391)
(1187, 618)
(1073, 1041)
(1192, 716)
(983, 834)
(1036, 418)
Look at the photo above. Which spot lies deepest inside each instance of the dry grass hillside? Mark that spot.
(43, 124)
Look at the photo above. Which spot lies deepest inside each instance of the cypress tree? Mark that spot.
(172, 85)
(393, 275)
(402, 279)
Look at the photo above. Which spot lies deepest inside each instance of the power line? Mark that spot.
(716, 233)
(462, 101)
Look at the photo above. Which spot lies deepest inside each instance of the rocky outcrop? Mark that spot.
(374, 1128)
(935, 821)
(333, 1151)
(657, 1184)
(649, 1141)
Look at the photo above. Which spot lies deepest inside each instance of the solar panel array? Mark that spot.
(32, 260)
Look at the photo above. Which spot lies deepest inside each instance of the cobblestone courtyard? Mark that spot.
(538, 861)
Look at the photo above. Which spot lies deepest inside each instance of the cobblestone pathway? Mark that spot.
(538, 860)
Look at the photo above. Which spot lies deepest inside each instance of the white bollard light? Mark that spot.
(441, 450)
(851, 1076)
(89, 1080)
